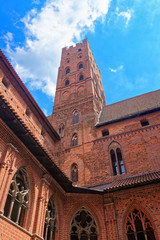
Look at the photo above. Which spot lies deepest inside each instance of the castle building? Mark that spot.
(89, 171)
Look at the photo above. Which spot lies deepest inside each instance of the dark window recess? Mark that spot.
(28, 112)
(74, 172)
(67, 70)
(105, 133)
(79, 50)
(5, 82)
(144, 123)
(74, 141)
(117, 162)
(75, 117)
(66, 82)
(80, 66)
(81, 78)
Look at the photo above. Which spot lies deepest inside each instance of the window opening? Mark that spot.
(138, 226)
(105, 133)
(75, 117)
(80, 66)
(79, 50)
(66, 82)
(18, 197)
(144, 123)
(74, 140)
(83, 226)
(117, 161)
(67, 70)
(61, 130)
(5, 82)
(81, 78)
(50, 221)
(74, 172)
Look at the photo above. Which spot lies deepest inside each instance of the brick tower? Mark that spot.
(79, 99)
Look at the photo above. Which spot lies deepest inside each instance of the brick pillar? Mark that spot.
(41, 207)
(6, 169)
(110, 218)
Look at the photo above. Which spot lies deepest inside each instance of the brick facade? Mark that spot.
(29, 141)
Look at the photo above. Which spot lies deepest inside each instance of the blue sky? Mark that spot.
(124, 37)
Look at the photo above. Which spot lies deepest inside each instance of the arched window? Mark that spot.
(50, 221)
(61, 130)
(138, 226)
(80, 66)
(75, 117)
(74, 141)
(18, 197)
(116, 159)
(83, 226)
(81, 77)
(67, 70)
(66, 82)
(74, 173)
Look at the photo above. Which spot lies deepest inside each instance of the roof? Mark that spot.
(129, 108)
(25, 94)
(128, 182)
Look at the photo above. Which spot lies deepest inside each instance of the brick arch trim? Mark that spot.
(92, 210)
(146, 211)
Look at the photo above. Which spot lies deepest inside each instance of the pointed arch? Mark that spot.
(74, 140)
(74, 173)
(138, 225)
(75, 118)
(50, 225)
(18, 198)
(83, 226)
(116, 158)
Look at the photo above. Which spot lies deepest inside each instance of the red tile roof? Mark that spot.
(131, 107)
(127, 182)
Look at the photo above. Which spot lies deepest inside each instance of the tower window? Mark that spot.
(80, 66)
(66, 82)
(74, 141)
(67, 70)
(75, 117)
(117, 161)
(61, 130)
(74, 173)
(81, 78)
(105, 133)
(144, 123)
(79, 50)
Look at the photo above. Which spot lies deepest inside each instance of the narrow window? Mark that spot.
(120, 161)
(116, 159)
(79, 50)
(61, 130)
(74, 141)
(50, 221)
(114, 163)
(67, 70)
(80, 66)
(105, 133)
(66, 82)
(138, 226)
(17, 201)
(74, 173)
(144, 123)
(28, 112)
(83, 226)
(75, 117)
(81, 77)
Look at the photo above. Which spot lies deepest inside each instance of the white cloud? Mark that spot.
(57, 25)
(126, 15)
(116, 69)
